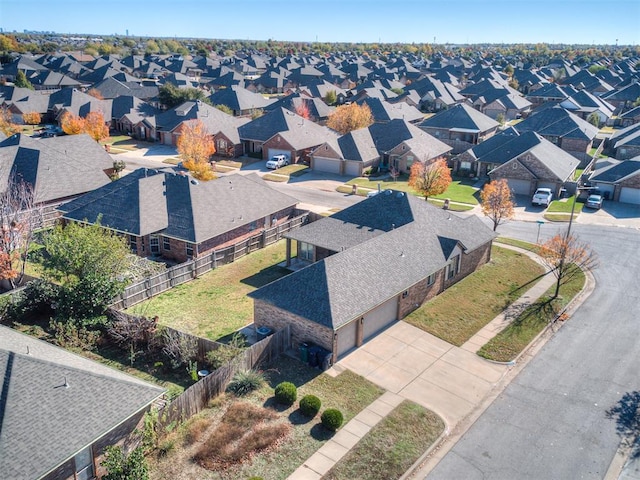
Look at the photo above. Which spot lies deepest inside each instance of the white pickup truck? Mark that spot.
(542, 196)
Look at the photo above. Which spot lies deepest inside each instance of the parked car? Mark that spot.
(51, 131)
(277, 161)
(594, 201)
(542, 196)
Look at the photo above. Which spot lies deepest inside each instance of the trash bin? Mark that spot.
(263, 332)
(445, 205)
(314, 361)
(304, 352)
(327, 361)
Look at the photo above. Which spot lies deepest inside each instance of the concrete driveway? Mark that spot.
(448, 380)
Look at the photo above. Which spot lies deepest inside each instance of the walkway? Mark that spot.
(414, 365)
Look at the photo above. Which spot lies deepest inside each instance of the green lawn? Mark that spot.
(464, 308)
(283, 174)
(564, 206)
(508, 344)
(532, 247)
(216, 304)
(392, 446)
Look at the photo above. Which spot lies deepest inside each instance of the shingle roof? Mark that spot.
(379, 264)
(43, 422)
(616, 172)
(460, 116)
(557, 121)
(238, 98)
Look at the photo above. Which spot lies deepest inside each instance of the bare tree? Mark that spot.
(20, 216)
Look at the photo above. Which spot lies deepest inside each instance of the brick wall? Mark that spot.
(574, 145)
(278, 143)
(418, 294)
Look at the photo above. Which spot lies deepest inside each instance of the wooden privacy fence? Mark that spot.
(187, 271)
(196, 398)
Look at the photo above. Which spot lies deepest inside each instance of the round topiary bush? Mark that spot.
(310, 405)
(286, 393)
(332, 419)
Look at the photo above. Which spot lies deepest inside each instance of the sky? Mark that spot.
(354, 21)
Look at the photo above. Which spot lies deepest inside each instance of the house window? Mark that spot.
(154, 244)
(431, 279)
(409, 161)
(166, 244)
(305, 251)
(453, 267)
(465, 165)
(189, 247)
(222, 145)
(133, 243)
(84, 464)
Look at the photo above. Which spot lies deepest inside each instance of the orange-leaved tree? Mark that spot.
(6, 123)
(497, 201)
(347, 118)
(430, 179)
(71, 124)
(195, 146)
(95, 93)
(566, 256)
(302, 109)
(32, 118)
(95, 126)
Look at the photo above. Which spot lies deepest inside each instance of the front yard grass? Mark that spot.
(283, 174)
(216, 304)
(392, 446)
(464, 308)
(508, 344)
(347, 392)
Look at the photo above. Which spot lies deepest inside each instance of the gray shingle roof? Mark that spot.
(381, 261)
(460, 116)
(558, 122)
(43, 422)
(616, 172)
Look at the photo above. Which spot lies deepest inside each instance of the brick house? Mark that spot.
(78, 407)
(171, 215)
(618, 180)
(625, 144)
(363, 269)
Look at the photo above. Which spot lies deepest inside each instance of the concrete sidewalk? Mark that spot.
(412, 364)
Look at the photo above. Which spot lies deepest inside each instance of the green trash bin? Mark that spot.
(304, 353)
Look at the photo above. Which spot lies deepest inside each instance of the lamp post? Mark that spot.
(540, 223)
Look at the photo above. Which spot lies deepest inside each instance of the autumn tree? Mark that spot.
(72, 124)
(19, 217)
(302, 109)
(566, 256)
(32, 118)
(430, 179)
(6, 122)
(95, 93)
(497, 202)
(95, 126)
(195, 146)
(347, 118)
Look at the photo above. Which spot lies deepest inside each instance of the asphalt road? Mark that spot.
(551, 422)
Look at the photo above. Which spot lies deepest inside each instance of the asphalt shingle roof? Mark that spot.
(460, 116)
(616, 172)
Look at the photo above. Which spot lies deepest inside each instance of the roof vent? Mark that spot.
(388, 192)
(65, 384)
(194, 181)
(400, 194)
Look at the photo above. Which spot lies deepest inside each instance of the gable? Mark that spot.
(513, 169)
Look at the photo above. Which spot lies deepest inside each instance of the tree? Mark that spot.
(431, 179)
(125, 467)
(6, 123)
(302, 109)
(330, 97)
(594, 119)
(224, 108)
(89, 262)
(71, 124)
(95, 93)
(497, 201)
(508, 70)
(22, 81)
(347, 118)
(32, 118)
(195, 146)
(500, 118)
(95, 126)
(19, 217)
(172, 96)
(566, 257)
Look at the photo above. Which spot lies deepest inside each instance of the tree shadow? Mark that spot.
(627, 417)
(526, 285)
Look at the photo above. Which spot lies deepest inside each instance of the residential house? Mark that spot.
(618, 180)
(383, 111)
(167, 214)
(623, 98)
(585, 104)
(625, 144)
(365, 270)
(316, 109)
(60, 410)
(240, 101)
(628, 118)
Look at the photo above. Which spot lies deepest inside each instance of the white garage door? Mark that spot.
(352, 169)
(606, 188)
(630, 195)
(326, 165)
(550, 185)
(380, 317)
(347, 338)
(275, 151)
(519, 187)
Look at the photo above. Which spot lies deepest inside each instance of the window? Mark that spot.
(133, 243)
(84, 464)
(189, 247)
(166, 244)
(409, 161)
(305, 251)
(154, 244)
(453, 267)
(465, 165)
(431, 279)
(222, 145)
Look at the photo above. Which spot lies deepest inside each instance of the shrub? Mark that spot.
(245, 382)
(310, 405)
(36, 298)
(69, 335)
(332, 419)
(286, 393)
(226, 352)
(166, 447)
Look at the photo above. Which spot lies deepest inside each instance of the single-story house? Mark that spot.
(171, 215)
(618, 180)
(60, 411)
(365, 269)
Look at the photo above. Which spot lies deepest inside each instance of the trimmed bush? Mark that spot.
(286, 393)
(332, 419)
(310, 405)
(245, 382)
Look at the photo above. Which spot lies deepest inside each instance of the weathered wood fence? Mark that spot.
(187, 271)
(196, 398)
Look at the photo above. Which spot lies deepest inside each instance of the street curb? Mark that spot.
(436, 443)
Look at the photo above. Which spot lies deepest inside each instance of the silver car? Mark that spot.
(594, 201)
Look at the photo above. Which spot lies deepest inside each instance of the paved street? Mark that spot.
(551, 421)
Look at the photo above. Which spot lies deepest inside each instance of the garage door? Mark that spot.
(519, 187)
(630, 195)
(550, 185)
(352, 169)
(275, 151)
(380, 317)
(347, 338)
(326, 165)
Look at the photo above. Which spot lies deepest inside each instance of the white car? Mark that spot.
(542, 196)
(277, 161)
